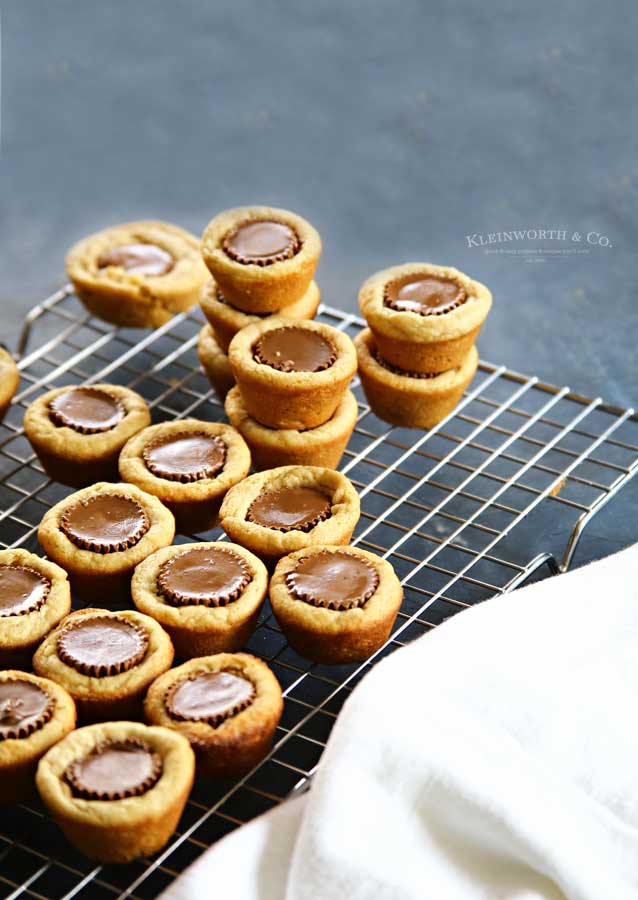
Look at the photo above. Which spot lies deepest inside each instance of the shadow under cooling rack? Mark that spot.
(468, 510)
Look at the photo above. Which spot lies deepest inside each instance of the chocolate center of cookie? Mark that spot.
(210, 697)
(21, 590)
(105, 523)
(289, 508)
(144, 259)
(261, 243)
(295, 349)
(426, 295)
(208, 576)
(24, 707)
(185, 457)
(86, 410)
(102, 645)
(114, 770)
(333, 580)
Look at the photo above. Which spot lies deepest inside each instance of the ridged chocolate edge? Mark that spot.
(217, 719)
(24, 730)
(305, 526)
(35, 606)
(183, 478)
(60, 419)
(87, 794)
(102, 671)
(406, 374)
(224, 599)
(454, 304)
(281, 367)
(291, 250)
(96, 547)
(318, 603)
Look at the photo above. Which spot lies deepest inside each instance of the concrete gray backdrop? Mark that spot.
(397, 128)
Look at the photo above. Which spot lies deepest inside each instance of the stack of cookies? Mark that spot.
(417, 356)
(262, 261)
(291, 404)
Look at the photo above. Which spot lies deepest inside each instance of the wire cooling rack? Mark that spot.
(501, 489)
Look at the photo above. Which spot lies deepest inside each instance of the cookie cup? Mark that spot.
(407, 401)
(197, 629)
(336, 636)
(9, 381)
(108, 697)
(237, 744)
(226, 321)
(130, 298)
(21, 634)
(105, 576)
(195, 504)
(215, 363)
(424, 344)
(78, 459)
(19, 757)
(118, 831)
(297, 400)
(269, 448)
(269, 544)
(254, 288)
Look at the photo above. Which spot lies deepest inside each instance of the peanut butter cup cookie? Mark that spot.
(410, 399)
(99, 535)
(320, 446)
(9, 381)
(214, 363)
(207, 596)
(335, 604)
(35, 713)
(424, 318)
(303, 369)
(118, 789)
(77, 432)
(228, 706)
(281, 510)
(34, 597)
(261, 258)
(226, 321)
(105, 660)
(189, 465)
(139, 274)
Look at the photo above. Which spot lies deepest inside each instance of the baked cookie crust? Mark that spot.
(130, 298)
(295, 399)
(270, 448)
(240, 741)
(226, 321)
(407, 401)
(105, 576)
(254, 288)
(195, 504)
(20, 634)
(270, 544)
(73, 457)
(332, 636)
(19, 756)
(214, 363)
(117, 696)
(199, 629)
(118, 831)
(9, 381)
(418, 343)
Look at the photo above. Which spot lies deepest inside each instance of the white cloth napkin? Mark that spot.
(496, 757)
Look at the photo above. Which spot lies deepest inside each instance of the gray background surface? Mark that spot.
(397, 128)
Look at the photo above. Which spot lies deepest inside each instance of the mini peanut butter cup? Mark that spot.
(24, 708)
(333, 580)
(210, 697)
(86, 410)
(204, 576)
(295, 349)
(398, 371)
(143, 259)
(426, 295)
(261, 243)
(186, 457)
(289, 509)
(106, 523)
(22, 590)
(114, 770)
(100, 646)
